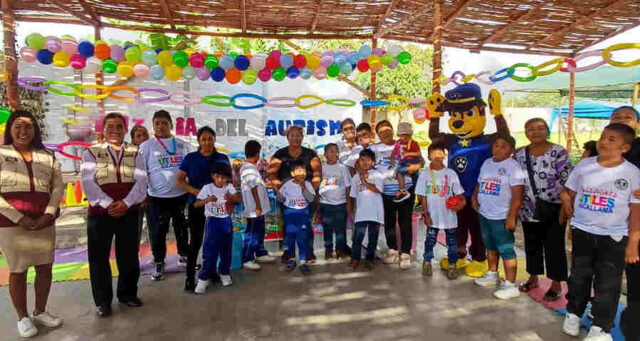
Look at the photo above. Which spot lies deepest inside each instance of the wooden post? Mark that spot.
(99, 75)
(636, 89)
(10, 58)
(572, 95)
(372, 110)
(437, 45)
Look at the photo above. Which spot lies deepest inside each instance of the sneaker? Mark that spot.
(353, 264)
(226, 280)
(26, 328)
(597, 334)
(158, 274)
(391, 257)
(47, 319)
(265, 259)
(507, 291)
(291, 264)
(201, 287)
(427, 268)
(571, 325)
(452, 272)
(490, 279)
(405, 261)
(402, 196)
(305, 269)
(182, 261)
(252, 265)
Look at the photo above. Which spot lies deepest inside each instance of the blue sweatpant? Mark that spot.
(431, 240)
(253, 244)
(218, 239)
(296, 230)
(359, 231)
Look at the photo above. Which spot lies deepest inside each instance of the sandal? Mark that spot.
(551, 295)
(527, 286)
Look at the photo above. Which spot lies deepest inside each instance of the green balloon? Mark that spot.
(233, 55)
(386, 60)
(35, 41)
(181, 58)
(211, 62)
(4, 115)
(404, 57)
(109, 66)
(133, 54)
(279, 74)
(333, 71)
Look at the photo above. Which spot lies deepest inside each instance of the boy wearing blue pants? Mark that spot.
(218, 199)
(296, 195)
(333, 191)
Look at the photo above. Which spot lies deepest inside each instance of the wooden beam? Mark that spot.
(408, 20)
(59, 20)
(353, 84)
(316, 17)
(437, 45)
(243, 22)
(390, 8)
(66, 9)
(523, 17)
(167, 13)
(583, 19)
(610, 35)
(10, 58)
(183, 44)
(454, 16)
(89, 11)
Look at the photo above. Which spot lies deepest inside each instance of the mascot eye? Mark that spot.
(469, 113)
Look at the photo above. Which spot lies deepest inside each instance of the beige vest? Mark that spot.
(14, 174)
(108, 171)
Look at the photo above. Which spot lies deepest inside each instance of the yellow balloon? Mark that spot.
(173, 73)
(61, 59)
(125, 69)
(374, 61)
(313, 62)
(165, 58)
(189, 51)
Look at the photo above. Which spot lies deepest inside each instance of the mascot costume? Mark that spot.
(467, 147)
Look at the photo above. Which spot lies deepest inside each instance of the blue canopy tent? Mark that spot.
(584, 109)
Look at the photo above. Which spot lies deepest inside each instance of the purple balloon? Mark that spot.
(378, 51)
(202, 73)
(394, 64)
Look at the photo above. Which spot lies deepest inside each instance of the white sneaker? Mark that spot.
(26, 328)
(490, 279)
(201, 287)
(265, 259)
(507, 291)
(251, 266)
(391, 257)
(226, 280)
(597, 334)
(405, 261)
(46, 319)
(571, 325)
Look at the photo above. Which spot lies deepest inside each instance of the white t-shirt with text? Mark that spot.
(495, 182)
(216, 209)
(162, 165)
(250, 178)
(292, 193)
(335, 180)
(350, 160)
(383, 165)
(369, 205)
(437, 189)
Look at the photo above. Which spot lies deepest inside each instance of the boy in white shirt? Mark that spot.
(296, 195)
(218, 199)
(440, 194)
(366, 187)
(256, 206)
(364, 136)
(498, 197)
(333, 191)
(598, 197)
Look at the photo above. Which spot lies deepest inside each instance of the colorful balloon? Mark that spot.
(404, 57)
(188, 72)
(378, 51)
(35, 41)
(333, 71)
(258, 62)
(326, 60)
(374, 61)
(86, 48)
(117, 53)
(181, 59)
(53, 44)
(44, 56)
(217, 74)
(211, 62)
(293, 72)
(69, 46)
(272, 62)
(109, 66)
(165, 58)
(241, 62)
(286, 61)
(313, 62)
(202, 73)
(156, 72)
(394, 50)
(233, 76)
(279, 73)
(149, 57)
(339, 59)
(365, 51)
(173, 73)
(275, 54)
(61, 59)
(419, 115)
(141, 70)
(394, 64)
(386, 59)
(78, 61)
(125, 69)
(28, 54)
(363, 65)
(354, 58)
(305, 73)
(226, 62)
(249, 76)
(346, 69)
(94, 65)
(133, 55)
(264, 75)
(300, 61)
(102, 51)
(320, 72)
(196, 60)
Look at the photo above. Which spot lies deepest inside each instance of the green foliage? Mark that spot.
(32, 101)
(533, 99)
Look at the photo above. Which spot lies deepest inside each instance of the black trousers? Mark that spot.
(544, 245)
(196, 230)
(631, 315)
(598, 260)
(402, 213)
(101, 230)
(469, 224)
(161, 212)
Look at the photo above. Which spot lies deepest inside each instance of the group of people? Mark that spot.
(370, 185)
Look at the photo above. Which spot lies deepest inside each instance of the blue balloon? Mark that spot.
(286, 61)
(45, 56)
(305, 73)
(346, 69)
(241, 62)
(156, 72)
(149, 57)
(293, 72)
(354, 58)
(85, 48)
(365, 51)
(218, 73)
(158, 50)
(226, 63)
(339, 58)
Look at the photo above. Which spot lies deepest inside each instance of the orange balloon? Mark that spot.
(102, 51)
(233, 76)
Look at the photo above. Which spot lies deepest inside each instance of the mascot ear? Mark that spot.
(435, 104)
(495, 103)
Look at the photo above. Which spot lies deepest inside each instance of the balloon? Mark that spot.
(61, 59)
(28, 54)
(125, 69)
(326, 60)
(363, 66)
(202, 73)
(53, 44)
(394, 64)
(196, 60)
(86, 48)
(378, 51)
(233, 76)
(394, 50)
(109, 66)
(386, 59)
(189, 51)
(293, 72)
(141, 70)
(279, 73)
(374, 61)
(305, 73)
(404, 57)
(272, 62)
(339, 58)
(133, 55)
(94, 65)
(69, 46)
(211, 62)
(286, 61)
(249, 76)
(233, 55)
(264, 75)
(226, 62)
(346, 69)
(149, 57)
(275, 54)
(35, 41)
(365, 51)
(313, 62)
(320, 72)
(188, 72)
(173, 73)
(102, 51)
(241, 62)
(217, 74)
(44, 57)
(353, 58)
(78, 61)
(419, 115)
(333, 71)
(117, 53)
(299, 61)
(181, 59)
(258, 61)
(327, 53)
(156, 72)
(165, 58)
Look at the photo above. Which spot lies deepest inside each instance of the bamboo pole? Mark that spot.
(572, 95)
(372, 110)
(437, 45)
(10, 58)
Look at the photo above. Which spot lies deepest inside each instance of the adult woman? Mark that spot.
(547, 166)
(394, 211)
(280, 169)
(193, 174)
(30, 192)
(348, 141)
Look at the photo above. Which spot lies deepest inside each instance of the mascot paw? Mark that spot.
(495, 102)
(434, 104)
(476, 269)
(444, 263)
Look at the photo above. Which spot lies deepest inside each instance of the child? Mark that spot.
(436, 187)
(498, 197)
(598, 198)
(256, 206)
(333, 191)
(218, 199)
(296, 195)
(589, 150)
(366, 187)
(364, 136)
(407, 152)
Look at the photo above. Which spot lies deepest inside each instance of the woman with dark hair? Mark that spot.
(194, 173)
(547, 167)
(139, 134)
(348, 141)
(31, 189)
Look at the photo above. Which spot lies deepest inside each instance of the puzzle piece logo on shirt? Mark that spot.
(621, 184)
(502, 171)
(461, 163)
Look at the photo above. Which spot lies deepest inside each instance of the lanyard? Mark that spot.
(434, 185)
(173, 143)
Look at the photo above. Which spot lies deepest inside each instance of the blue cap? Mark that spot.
(465, 93)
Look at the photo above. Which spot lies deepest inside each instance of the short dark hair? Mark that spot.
(206, 129)
(368, 153)
(220, 168)
(363, 126)
(627, 107)
(345, 121)
(628, 134)
(436, 145)
(508, 138)
(537, 120)
(297, 164)
(162, 114)
(330, 145)
(591, 147)
(36, 143)
(114, 115)
(252, 148)
(134, 129)
(382, 124)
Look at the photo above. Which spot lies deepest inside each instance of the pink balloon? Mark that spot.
(202, 73)
(196, 60)
(326, 60)
(320, 72)
(419, 115)
(394, 64)
(28, 54)
(328, 53)
(378, 51)
(117, 53)
(69, 46)
(54, 44)
(276, 54)
(141, 70)
(264, 75)
(78, 61)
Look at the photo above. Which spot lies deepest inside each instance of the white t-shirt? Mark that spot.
(368, 204)
(495, 181)
(446, 185)
(250, 178)
(162, 165)
(293, 194)
(603, 195)
(383, 161)
(216, 209)
(353, 157)
(335, 180)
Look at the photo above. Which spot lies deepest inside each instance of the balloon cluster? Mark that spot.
(140, 61)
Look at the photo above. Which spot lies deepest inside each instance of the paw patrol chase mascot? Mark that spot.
(468, 147)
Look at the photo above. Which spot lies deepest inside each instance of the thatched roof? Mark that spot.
(527, 26)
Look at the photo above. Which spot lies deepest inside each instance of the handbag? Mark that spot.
(544, 211)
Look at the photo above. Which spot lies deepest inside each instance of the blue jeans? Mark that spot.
(296, 231)
(253, 243)
(310, 236)
(431, 240)
(334, 220)
(496, 237)
(359, 230)
(218, 239)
